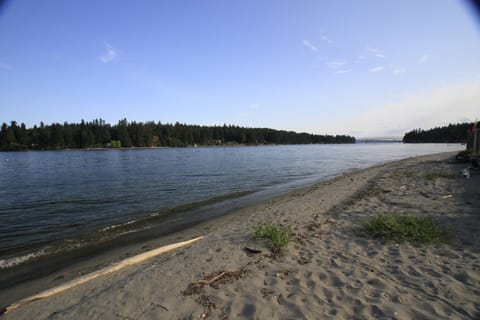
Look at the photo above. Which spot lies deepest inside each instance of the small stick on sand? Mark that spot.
(124, 263)
(208, 282)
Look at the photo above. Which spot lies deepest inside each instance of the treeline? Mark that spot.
(125, 134)
(451, 133)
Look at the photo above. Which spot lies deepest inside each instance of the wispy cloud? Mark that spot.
(373, 50)
(376, 69)
(424, 58)
(337, 64)
(396, 71)
(325, 38)
(342, 71)
(110, 54)
(5, 66)
(253, 106)
(307, 44)
(370, 54)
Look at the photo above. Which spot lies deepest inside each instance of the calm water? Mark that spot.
(59, 195)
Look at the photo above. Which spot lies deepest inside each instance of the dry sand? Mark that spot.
(329, 271)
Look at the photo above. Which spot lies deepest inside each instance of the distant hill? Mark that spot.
(452, 133)
(98, 134)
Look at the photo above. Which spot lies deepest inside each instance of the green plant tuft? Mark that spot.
(278, 237)
(409, 227)
(410, 173)
(435, 174)
(376, 190)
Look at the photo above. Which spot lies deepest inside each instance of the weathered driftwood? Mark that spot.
(124, 263)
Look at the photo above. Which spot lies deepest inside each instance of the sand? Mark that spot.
(329, 270)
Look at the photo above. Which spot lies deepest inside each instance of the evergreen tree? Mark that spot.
(57, 139)
(123, 135)
(7, 136)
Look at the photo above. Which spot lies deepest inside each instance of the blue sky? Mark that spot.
(366, 68)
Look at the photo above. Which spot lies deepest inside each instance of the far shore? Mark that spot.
(220, 145)
(328, 271)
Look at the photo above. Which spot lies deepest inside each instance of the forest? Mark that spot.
(125, 134)
(450, 134)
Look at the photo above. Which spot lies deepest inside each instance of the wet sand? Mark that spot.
(329, 271)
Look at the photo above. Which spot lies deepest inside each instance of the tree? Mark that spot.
(123, 135)
(7, 135)
(57, 139)
(43, 136)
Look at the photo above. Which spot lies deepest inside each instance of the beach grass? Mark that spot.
(404, 227)
(435, 174)
(376, 190)
(277, 236)
(410, 173)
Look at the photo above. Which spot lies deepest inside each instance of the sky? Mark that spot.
(364, 68)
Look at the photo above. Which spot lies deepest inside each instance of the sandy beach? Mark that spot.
(328, 271)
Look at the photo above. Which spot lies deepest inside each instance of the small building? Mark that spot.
(473, 139)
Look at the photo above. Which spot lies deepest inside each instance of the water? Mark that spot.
(50, 200)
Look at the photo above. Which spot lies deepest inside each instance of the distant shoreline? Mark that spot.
(231, 146)
(237, 145)
(228, 145)
(98, 133)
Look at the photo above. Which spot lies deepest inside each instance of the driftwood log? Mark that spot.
(124, 263)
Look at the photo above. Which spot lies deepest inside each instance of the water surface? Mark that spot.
(59, 195)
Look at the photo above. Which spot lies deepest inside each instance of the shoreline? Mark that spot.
(347, 187)
(233, 146)
(141, 229)
(70, 220)
(92, 258)
(225, 145)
